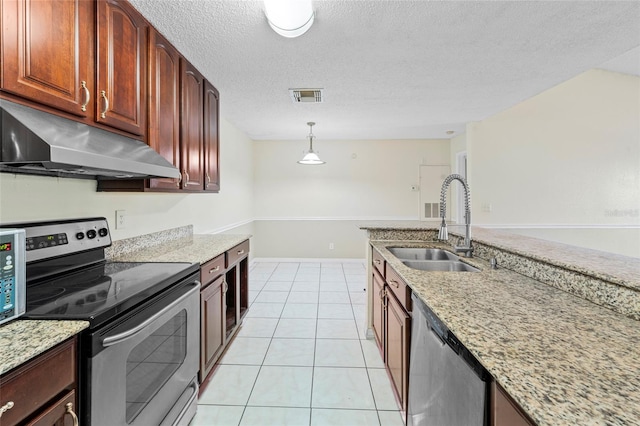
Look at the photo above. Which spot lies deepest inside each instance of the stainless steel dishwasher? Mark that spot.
(447, 385)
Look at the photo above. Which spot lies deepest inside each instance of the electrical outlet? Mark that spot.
(121, 216)
(331, 247)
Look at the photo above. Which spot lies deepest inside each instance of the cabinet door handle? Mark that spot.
(212, 270)
(394, 283)
(69, 411)
(186, 177)
(87, 95)
(208, 180)
(240, 252)
(226, 287)
(377, 261)
(103, 95)
(384, 300)
(179, 180)
(6, 407)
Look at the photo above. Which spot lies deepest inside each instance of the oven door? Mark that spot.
(144, 365)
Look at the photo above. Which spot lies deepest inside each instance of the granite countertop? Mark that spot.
(615, 268)
(195, 249)
(564, 360)
(21, 340)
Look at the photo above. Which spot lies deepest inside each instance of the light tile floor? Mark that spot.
(301, 357)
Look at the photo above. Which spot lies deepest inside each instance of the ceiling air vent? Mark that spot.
(306, 95)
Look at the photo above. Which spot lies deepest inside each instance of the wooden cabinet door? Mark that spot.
(504, 411)
(191, 142)
(47, 52)
(211, 138)
(378, 310)
(398, 329)
(164, 105)
(213, 320)
(122, 64)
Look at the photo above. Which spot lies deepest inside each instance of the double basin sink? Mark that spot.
(431, 259)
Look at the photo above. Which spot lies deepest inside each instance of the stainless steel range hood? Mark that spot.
(37, 142)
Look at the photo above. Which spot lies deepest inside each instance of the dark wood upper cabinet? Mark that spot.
(164, 105)
(211, 138)
(191, 129)
(121, 67)
(101, 63)
(47, 53)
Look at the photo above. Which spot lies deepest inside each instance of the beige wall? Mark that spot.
(37, 198)
(296, 205)
(567, 158)
(308, 239)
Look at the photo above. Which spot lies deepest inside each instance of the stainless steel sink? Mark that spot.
(416, 253)
(440, 265)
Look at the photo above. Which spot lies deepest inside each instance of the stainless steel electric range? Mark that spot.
(138, 360)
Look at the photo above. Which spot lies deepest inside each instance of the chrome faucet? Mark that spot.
(443, 235)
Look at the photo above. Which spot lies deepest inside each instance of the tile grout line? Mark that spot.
(317, 303)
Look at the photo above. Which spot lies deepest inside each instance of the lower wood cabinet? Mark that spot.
(504, 411)
(224, 301)
(378, 309)
(213, 330)
(397, 333)
(43, 390)
(392, 324)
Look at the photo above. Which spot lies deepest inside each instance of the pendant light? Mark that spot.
(289, 18)
(311, 157)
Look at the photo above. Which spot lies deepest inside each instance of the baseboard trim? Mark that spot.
(306, 260)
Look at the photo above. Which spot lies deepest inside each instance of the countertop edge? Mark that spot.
(22, 340)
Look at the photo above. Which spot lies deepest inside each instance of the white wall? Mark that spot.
(25, 197)
(376, 184)
(568, 157)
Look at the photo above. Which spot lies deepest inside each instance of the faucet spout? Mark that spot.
(443, 235)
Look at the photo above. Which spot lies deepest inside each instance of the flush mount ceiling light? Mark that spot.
(311, 157)
(289, 18)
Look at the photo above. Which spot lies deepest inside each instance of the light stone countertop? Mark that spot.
(615, 268)
(564, 360)
(199, 248)
(21, 340)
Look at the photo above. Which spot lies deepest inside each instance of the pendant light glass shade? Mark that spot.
(289, 18)
(311, 157)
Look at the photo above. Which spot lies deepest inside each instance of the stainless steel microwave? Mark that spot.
(13, 280)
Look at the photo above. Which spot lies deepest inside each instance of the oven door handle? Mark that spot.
(120, 337)
(194, 386)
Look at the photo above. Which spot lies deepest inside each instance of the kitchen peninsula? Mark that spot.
(533, 322)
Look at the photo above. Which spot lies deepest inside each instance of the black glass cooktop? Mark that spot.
(100, 292)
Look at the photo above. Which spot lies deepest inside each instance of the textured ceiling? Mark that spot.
(394, 69)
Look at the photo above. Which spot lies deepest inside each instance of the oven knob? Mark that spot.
(91, 234)
(80, 235)
(103, 232)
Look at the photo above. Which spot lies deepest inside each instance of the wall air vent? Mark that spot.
(306, 95)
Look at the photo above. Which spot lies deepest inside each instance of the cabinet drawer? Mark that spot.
(399, 288)
(32, 385)
(378, 261)
(211, 269)
(237, 253)
(56, 413)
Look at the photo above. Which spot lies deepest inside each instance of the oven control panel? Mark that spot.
(51, 239)
(12, 274)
